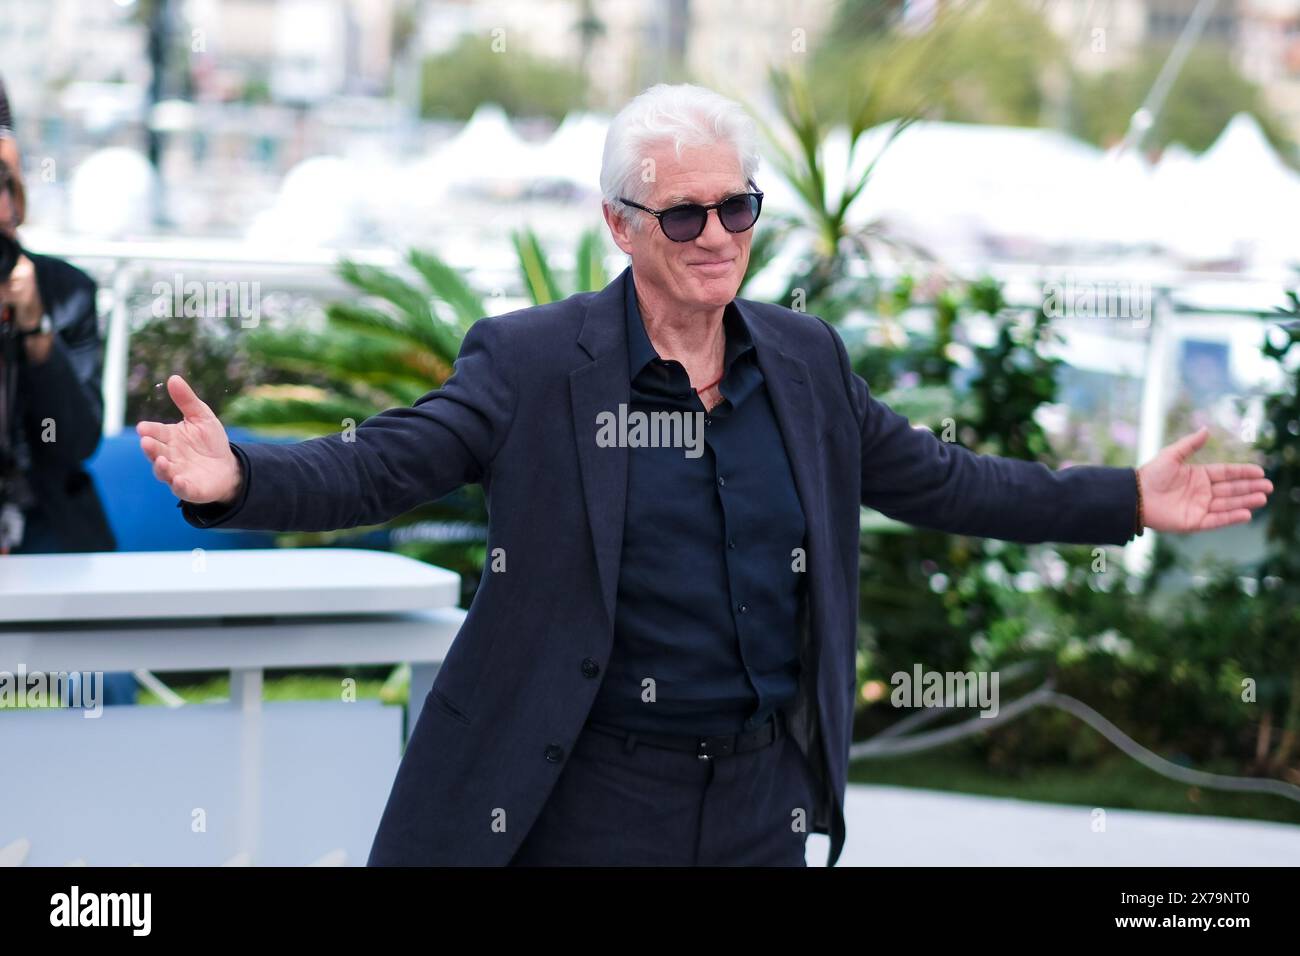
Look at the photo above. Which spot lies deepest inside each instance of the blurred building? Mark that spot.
(303, 51)
(627, 45)
(48, 47)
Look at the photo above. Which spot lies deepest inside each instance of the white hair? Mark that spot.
(680, 114)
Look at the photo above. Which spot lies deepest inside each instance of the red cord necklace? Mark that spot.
(705, 388)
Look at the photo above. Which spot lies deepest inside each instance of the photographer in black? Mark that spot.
(51, 412)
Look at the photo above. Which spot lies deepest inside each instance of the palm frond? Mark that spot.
(383, 284)
(534, 268)
(382, 362)
(436, 336)
(589, 268)
(295, 410)
(449, 286)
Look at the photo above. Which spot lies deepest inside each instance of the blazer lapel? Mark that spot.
(789, 387)
(595, 387)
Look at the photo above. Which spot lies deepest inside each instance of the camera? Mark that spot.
(9, 253)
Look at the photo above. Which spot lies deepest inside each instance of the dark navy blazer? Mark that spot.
(519, 416)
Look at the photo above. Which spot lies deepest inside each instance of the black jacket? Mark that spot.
(519, 417)
(68, 515)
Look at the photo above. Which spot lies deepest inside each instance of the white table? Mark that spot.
(236, 611)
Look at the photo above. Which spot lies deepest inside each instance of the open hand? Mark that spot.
(1182, 497)
(192, 457)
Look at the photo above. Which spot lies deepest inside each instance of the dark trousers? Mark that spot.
(627, 803)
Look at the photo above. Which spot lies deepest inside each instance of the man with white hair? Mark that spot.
(661, 671)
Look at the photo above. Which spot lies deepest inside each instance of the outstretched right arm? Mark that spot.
(390, 463)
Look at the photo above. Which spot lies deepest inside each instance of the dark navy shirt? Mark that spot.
(706, 623)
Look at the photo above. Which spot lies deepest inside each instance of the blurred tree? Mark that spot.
(1208, 92)
(1000, 62)
(975, 63)
(589, 28)
(1277, 639)
(857, 20)
(455, 83)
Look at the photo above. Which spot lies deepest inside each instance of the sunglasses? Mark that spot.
(684, 222)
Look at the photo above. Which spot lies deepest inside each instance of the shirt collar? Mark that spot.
(641, 351)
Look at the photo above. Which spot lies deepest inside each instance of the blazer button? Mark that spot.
(590, 668)
(554, 753)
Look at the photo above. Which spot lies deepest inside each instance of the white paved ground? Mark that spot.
(898, 826)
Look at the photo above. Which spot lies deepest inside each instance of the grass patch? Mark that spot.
(286, 687)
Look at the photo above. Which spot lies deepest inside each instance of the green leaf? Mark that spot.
(448, 286)
(436, 337)
(590, 265)
(534, 269)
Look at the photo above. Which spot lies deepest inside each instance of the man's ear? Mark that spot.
(618, 228)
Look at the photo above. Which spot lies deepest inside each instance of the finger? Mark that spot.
(1237, 502)
(159, 430)
(162, 469)
(152, 448)
(1186, 446)
(1243, 486)
(181, 487)
(1222, 471)
(189, 404)
(1223, 519)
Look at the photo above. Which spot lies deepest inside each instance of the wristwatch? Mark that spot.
(45, 328)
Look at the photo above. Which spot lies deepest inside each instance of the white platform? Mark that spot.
(285, 783)
(158, 787)
(218, 584)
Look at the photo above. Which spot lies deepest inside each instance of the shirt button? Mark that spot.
(721, 480)
(731, 543)
(554, 753)
(743, 608)
(590, 668)
(708, 420)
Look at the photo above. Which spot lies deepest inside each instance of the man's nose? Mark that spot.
(714, 234)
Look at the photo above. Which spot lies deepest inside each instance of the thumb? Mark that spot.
(1186, 446)
(189, 404)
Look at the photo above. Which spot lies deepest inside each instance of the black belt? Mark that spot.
(717, 745)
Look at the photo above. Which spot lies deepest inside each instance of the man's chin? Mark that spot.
(716, 290)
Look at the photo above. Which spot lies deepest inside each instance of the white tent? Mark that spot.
(1236, 199)
(958, 186)
(485, 153)
(320, 203)
(573, 153)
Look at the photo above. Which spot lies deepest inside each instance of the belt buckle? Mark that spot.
(716, 746)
